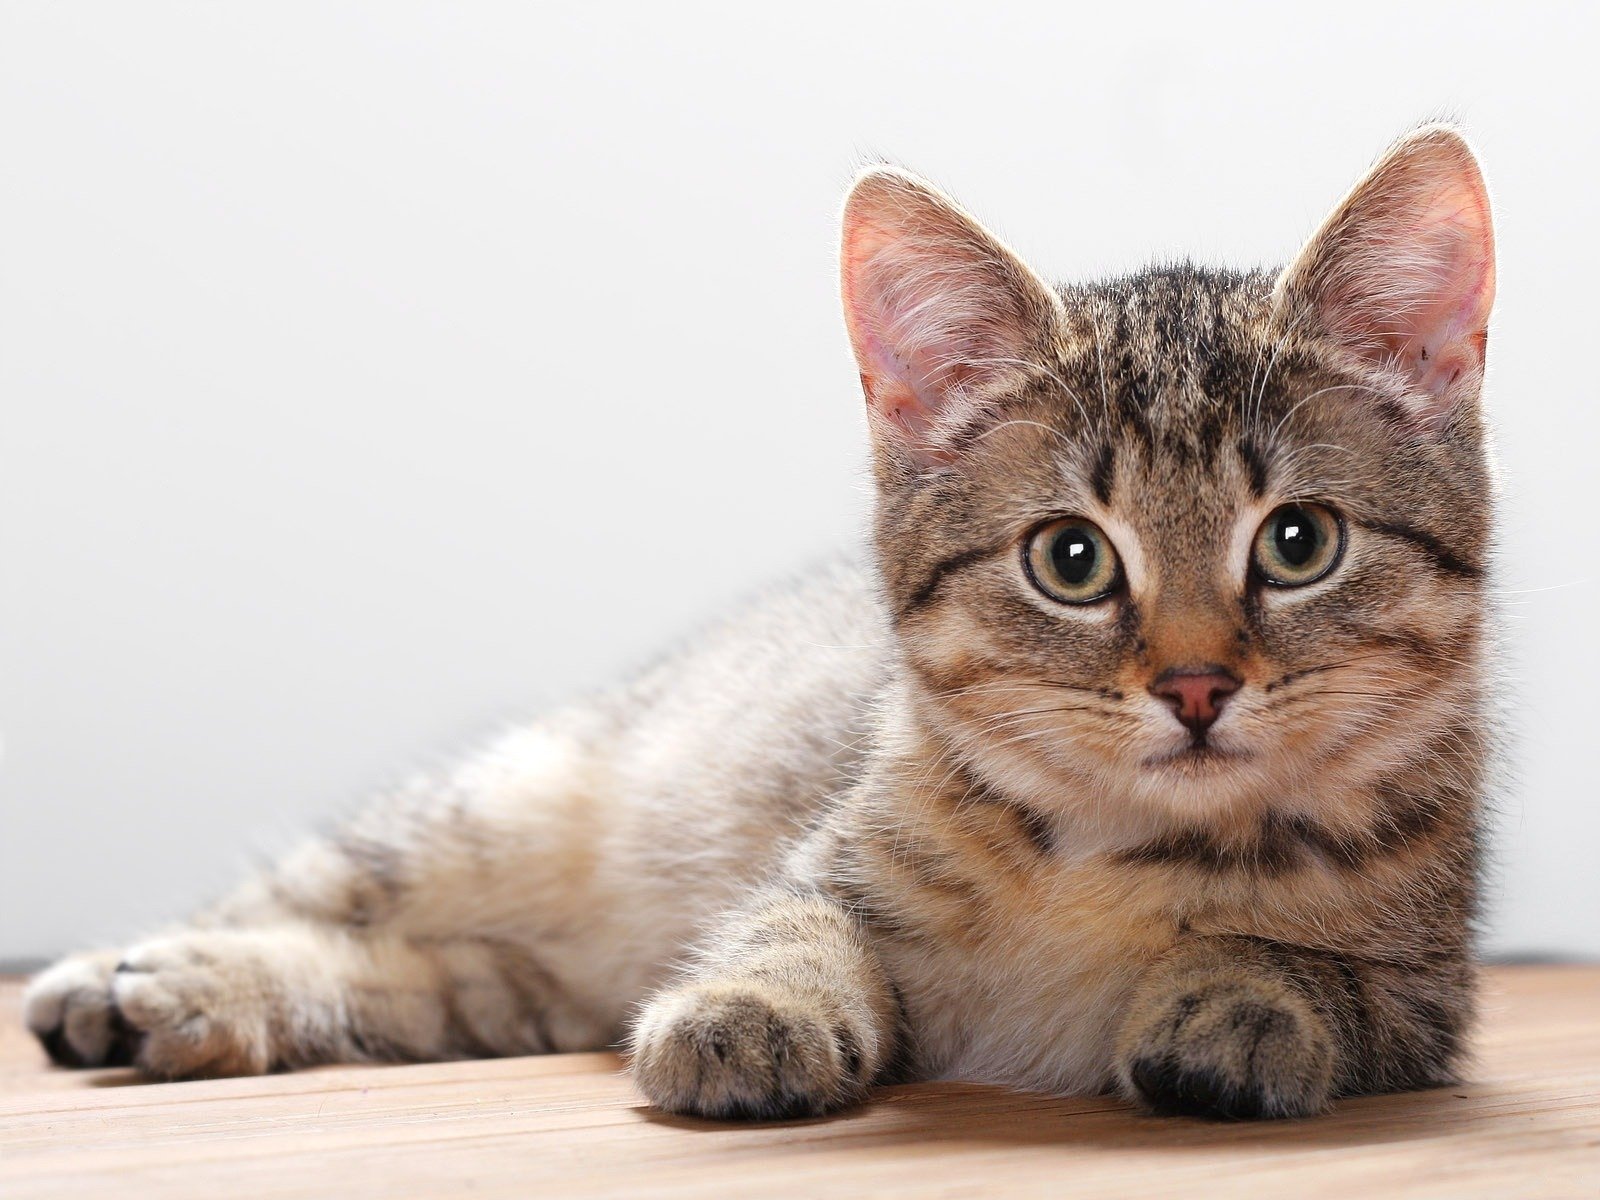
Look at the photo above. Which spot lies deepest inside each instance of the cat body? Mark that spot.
(1147, 753)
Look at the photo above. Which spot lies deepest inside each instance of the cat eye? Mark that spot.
(1071, 561)
(1297, 544)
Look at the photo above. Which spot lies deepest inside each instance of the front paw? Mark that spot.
(1228, 1046)
(734, 1051)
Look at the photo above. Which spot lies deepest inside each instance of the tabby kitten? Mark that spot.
(1149, 756)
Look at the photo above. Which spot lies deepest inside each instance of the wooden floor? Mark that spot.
(571, 1125)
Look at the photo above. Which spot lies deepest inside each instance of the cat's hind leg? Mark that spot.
(68, 1008)
(448, 922)
(209, 1002)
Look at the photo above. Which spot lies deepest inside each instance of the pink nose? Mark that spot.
(1196, 693)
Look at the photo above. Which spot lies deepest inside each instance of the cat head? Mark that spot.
(1191, 538)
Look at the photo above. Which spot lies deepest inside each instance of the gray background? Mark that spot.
(372, 374)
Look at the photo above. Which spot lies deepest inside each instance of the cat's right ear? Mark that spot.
(939, 310)
(1402, 273)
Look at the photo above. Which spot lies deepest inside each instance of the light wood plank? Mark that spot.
(1527, 1125)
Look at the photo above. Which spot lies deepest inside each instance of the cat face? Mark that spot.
(1194, 539)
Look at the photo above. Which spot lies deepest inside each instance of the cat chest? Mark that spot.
(1023, 980)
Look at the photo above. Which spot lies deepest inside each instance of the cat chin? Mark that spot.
(1199, 782)
(1199, 779)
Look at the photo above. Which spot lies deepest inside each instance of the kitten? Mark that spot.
(1149, 756)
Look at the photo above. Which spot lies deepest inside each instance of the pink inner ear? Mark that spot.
(900, 288)
(935, 305)
(1440, 344)
(1409, 279)
(1443, 332)
(898, 385)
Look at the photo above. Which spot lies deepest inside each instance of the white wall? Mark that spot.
(373, 372)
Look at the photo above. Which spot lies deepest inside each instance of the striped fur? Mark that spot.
(921, 821)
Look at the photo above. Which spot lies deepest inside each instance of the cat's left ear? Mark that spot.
(941, 313)
(1402, 273)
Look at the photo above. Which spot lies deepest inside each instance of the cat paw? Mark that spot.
(195, 1004)
(738, 1052)
(198, 1005)
(68, 1007)
(1231, 1048)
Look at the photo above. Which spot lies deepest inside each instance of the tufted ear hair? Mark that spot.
(939, 311)
(1402, 273)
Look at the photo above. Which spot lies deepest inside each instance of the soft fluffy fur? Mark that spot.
(923, 821)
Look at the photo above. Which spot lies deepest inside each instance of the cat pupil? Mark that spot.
(1074, 556)
(1296, 538)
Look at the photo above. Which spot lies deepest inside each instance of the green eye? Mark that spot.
(1070, 560)
(1297, 544)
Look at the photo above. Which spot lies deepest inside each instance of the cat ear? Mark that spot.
(939, 311)
(1402, 273)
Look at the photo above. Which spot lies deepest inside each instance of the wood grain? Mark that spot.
(571, 1125)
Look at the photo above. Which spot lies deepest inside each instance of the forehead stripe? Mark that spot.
(1100, 479)
(1256, 465)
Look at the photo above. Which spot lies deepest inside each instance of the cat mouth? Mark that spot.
(1196, 756)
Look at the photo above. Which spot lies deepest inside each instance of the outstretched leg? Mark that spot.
(453, 921)
(788, 1013)
(207, 1002)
